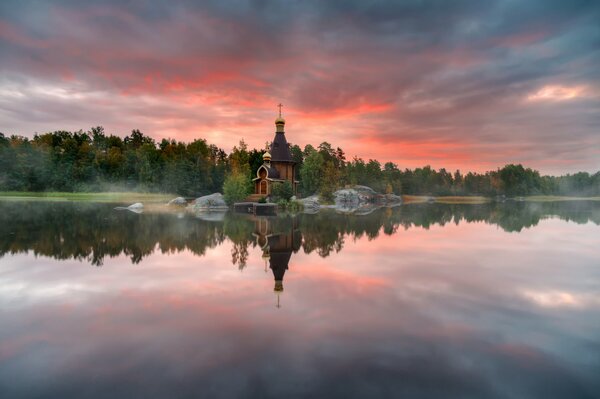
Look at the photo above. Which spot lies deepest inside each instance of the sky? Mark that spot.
(465, 84)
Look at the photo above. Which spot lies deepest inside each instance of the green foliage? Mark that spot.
(310, 173)
(283, 190)
(295, 206)
(262, 200)
(255, 159)
(298, 157)
(236, 187)
(329, 181)
(94, 161)
(240, 158)
(282, 204)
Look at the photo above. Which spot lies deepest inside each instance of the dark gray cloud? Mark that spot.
(400, 71)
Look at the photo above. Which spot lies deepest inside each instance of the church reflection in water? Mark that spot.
(278, 238)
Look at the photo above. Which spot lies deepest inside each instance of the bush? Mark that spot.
(326, 194)
(283, 191)
(282, 204)
(295, 206)
(262, 200)
(236, 188)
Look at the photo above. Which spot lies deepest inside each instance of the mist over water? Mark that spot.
(494, 300)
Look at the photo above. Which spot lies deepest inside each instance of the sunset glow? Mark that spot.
(459, 85)
(557, 93)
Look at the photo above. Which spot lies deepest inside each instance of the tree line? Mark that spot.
(96, 161)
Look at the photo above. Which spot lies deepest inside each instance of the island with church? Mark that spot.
(278, 166)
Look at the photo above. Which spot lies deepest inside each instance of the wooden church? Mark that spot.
(278, 165)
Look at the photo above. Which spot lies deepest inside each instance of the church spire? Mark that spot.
(280, 122)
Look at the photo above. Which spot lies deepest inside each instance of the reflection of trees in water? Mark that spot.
(92, 232)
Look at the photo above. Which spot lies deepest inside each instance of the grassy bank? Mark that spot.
(550, 198)
(131, 197)
(416, 199)
(121, 197)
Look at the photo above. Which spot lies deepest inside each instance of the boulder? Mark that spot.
(212, 202)
(346, 196)
(179, 201)
(353, 198)
(362, 200)
(310, 204)
(365, 190)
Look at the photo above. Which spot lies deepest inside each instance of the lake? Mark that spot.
(498, 300)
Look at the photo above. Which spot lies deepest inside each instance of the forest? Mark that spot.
(95, 161)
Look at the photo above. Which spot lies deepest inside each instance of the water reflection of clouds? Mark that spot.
(421, 313)
(559, 299)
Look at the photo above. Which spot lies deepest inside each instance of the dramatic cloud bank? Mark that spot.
(461, 84)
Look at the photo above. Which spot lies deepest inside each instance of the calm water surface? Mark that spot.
(419, 301)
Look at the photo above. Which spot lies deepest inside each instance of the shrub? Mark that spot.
(283, 204)
(236, 187)
(283, 191)
(295, 206)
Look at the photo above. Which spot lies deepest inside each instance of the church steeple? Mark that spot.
(280, 150)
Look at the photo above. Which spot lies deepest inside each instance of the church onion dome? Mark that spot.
(278, 286)
(280, 121)
(267, 156)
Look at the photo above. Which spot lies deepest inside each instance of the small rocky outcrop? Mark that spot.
(209, 203)
(310, 204)
(362, 200)
(179, 201)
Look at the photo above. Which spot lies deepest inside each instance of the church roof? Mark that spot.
(272, 173)
(280, 151)
(278, 263)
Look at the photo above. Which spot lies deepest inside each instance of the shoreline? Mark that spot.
(131, 197)
(116, 197)
(475, 199)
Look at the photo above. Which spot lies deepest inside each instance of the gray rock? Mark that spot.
(365, 190)
(138, 207)
(179, 201)
(310, 204)
(212, 202)
(362, 200)
(352, 198)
